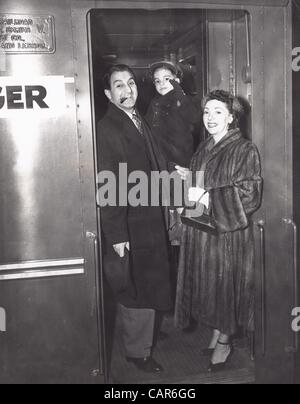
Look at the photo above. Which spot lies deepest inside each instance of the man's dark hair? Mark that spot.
(116, 68)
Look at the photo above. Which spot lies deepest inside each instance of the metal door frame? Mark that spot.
(258, 10)
(57, 277)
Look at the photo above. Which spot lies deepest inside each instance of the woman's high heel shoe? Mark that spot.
(214, 341)
(217, 367)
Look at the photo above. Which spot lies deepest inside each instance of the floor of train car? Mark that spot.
(180, 355)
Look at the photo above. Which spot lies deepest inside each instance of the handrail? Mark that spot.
(261, 226)
(290, 222)
(100, 303)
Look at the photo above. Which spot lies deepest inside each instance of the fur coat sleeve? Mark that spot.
(239, 194)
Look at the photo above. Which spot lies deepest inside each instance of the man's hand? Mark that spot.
(120, 248)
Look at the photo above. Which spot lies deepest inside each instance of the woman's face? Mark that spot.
(217, 118)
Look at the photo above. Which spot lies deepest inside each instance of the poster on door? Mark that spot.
(36, 96)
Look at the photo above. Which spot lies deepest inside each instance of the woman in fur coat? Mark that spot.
(216, 272)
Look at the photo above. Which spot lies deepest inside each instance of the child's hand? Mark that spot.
(177, 87)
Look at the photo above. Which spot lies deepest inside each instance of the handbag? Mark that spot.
(195, 216)
(202, 222)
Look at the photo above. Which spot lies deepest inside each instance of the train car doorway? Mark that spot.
(213, 49)
(51, 286)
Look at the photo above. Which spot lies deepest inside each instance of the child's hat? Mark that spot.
(174, 68)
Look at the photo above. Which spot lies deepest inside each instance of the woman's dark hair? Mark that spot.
(232, 103)
(116, 69)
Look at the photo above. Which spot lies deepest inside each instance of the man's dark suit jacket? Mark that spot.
(119, 141)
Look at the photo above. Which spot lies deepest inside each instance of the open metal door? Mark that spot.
(49, 283)
(272, 132)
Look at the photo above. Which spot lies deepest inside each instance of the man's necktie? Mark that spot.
(138, 123)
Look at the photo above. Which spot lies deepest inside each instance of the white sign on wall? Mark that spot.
(37, 96)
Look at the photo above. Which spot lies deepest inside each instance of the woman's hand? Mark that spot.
(195, 194)
(183, 172)
(120, 248)
(205, 200)
(180, 210)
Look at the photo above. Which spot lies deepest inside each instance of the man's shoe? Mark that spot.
(148, 365)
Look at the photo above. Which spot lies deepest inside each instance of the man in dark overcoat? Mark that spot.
(134, 233)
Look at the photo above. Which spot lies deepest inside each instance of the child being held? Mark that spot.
(171, 115)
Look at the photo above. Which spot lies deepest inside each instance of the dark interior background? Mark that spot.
(196, 39)
(139, 38)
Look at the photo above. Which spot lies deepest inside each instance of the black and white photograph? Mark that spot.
(149, 194)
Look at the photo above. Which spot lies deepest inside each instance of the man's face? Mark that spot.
(123, 93)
